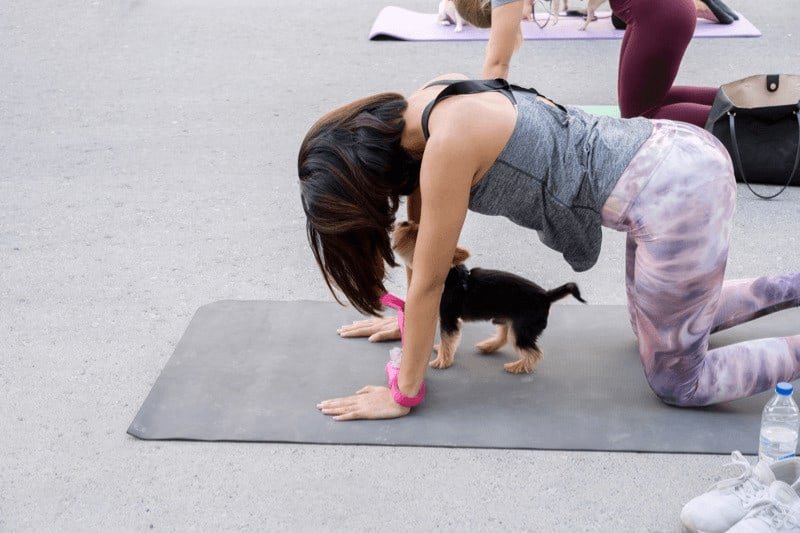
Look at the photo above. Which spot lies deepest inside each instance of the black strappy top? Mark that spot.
(457, 87)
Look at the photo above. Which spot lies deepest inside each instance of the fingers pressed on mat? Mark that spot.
(338, 410)
(388, 335)
(356, 325)
(347, 416)
(374, 328)
(336, 402)
(362, 331)
(368, 322)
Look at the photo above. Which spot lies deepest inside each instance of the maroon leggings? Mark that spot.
(657, 35)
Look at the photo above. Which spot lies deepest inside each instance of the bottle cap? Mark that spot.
(784, 389)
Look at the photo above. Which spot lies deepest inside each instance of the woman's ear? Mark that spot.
(460, 255)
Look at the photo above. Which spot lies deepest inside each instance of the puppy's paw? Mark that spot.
(441, 362)
(459, 28)
(444, 22)
(522, 366)
(490, 345)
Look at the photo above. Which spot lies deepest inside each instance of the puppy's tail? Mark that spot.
(564, 291)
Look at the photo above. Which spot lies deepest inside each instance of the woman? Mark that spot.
(564, 173)
(655, 40)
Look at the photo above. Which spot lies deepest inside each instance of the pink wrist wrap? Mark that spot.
(392, 371)
(406, 401)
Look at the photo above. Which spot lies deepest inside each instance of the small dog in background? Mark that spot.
(516, 305)
(448, 14)
(591, 7)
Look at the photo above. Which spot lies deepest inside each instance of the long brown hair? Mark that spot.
(352, 172)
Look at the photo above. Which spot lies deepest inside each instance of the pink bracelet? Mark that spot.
(392, 372)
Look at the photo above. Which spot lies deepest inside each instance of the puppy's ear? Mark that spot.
(460, 255)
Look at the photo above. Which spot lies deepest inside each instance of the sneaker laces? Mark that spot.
(775, 513)
(744, 486)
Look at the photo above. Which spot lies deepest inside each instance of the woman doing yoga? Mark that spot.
(481, 145)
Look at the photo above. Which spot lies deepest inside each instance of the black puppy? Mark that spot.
(514, 303)
(517, 305)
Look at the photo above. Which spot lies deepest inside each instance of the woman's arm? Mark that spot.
(449, 165)
(446, 176)
(504, 38)
(413, 211)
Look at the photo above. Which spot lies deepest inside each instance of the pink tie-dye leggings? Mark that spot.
(676, 200)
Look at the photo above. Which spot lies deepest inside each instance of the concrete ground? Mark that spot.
(147, 167)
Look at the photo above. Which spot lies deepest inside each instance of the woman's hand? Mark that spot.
(527, 10)
(371, 402)
(377, 329)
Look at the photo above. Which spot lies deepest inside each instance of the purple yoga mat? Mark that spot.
(396, 23)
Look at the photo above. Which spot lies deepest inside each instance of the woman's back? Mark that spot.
(556, 171)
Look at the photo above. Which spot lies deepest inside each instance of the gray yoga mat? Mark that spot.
(254, 371)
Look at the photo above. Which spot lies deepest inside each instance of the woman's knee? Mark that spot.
(675, 377)
(676, 391)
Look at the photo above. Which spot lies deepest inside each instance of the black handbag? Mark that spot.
(758, 121)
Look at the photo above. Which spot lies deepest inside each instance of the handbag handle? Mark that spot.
(738, 159)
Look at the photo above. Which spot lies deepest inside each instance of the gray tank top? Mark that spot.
(556, 171)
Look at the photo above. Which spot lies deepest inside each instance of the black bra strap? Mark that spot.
(442, 82)
(457, 87)
(464, 87)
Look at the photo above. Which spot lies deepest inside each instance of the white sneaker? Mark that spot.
(729, 500)
(777, 512)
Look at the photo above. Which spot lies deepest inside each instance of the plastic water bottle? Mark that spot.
(780, 424)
